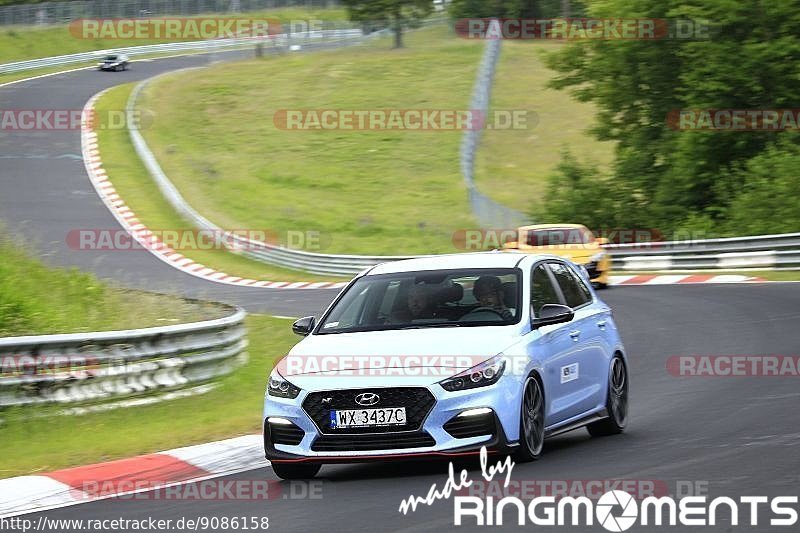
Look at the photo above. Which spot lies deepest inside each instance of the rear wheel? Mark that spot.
(295, 471)
(616, 402)
(531, 431)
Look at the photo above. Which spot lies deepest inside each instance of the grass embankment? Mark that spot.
(512, 166)
(44, 443)
(36, 300)
(379, 192)
(370, 192)
(133, 183)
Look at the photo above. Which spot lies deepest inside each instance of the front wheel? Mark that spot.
(616, 402)
(295, 471)
(531, 431)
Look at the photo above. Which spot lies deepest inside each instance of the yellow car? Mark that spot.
(571, 241)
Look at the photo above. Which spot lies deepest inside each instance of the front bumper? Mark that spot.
(598, 270)
(430, 441)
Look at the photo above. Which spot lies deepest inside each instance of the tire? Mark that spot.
(531, 422)
(295, 471)
(616, 402)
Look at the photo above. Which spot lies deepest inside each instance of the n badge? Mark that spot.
(569, 373)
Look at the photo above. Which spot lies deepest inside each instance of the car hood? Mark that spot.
(392, 358)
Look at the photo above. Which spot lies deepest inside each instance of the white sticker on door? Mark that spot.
(569, 373)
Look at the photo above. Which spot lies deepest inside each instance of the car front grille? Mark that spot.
(385, 441)
(418, 402)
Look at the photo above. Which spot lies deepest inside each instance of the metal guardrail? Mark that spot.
(115, 364)
(778, 252)
(214, 45)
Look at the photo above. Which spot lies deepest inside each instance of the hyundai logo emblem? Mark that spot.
(367, 398)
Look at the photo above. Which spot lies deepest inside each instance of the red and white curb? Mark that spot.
(670, 279)
(128, 220)
(73, 486)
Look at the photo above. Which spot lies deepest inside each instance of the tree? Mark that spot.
(396, 14)
(749, 59)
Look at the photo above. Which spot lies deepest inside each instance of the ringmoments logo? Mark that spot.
(618, 510)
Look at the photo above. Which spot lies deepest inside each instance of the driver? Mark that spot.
(488, 290)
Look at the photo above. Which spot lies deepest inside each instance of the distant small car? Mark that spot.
(114, 62)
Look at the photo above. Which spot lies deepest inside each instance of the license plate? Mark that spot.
(357, 418)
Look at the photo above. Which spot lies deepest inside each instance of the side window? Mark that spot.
(575, 292)
(542, 290)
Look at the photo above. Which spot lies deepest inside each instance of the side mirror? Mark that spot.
(602, 241)
(552, 314)
(304, 326)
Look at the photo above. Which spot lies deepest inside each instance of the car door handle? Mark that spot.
(575, 334)
(601, 324)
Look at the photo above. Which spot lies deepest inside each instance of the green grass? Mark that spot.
(44, 443)
(18, 43)
(216, 140)
(35, 300)
(379, 192)
(133, 183)
(512, 166)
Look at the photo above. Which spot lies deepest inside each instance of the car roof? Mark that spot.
(455, 261)
(550, 226)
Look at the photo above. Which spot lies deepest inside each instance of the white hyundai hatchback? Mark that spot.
(445, 355)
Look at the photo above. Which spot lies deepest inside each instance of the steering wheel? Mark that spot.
(482, 309)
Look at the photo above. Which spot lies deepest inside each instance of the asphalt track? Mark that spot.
(45, 193)
(734, 436)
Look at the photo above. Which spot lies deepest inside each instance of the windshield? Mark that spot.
(439, 298)
(558, 236)
(111, 58)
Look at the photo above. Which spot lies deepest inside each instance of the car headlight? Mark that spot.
(280, 387)
(482, 375)
(596, 258)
